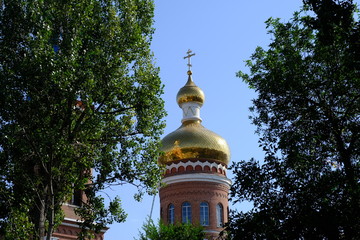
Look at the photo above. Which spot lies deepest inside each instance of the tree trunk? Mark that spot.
(52, 211)
(41, 221)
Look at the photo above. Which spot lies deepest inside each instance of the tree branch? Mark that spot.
(117, 111)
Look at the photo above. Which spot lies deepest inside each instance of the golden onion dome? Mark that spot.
(192, 140)
(190, 92)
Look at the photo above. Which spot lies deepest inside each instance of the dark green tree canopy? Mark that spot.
(79, 91)
(178, 231)
(307, 113)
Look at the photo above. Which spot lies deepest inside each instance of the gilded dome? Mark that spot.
(192, 140)
(190, 92)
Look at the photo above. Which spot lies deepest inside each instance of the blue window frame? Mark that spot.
(219, 215)
(204, 214)
(186, 212)
(171, 213)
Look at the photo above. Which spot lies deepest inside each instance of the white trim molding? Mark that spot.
(197, 177)
(212, 231)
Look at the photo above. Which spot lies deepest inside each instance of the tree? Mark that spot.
(80, 109)
(178, 231)
(307, 112)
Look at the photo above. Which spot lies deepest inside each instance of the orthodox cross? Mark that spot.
(189, 55)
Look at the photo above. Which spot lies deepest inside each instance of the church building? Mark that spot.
(70, 228)
(195, 187)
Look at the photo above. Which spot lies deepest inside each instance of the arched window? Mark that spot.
(204, 214)
(219, 215)
(171, 214)
(186, 212)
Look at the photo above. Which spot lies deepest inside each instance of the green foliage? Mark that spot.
(19, 217)
(307, 112)
(178, 231)
(79, 91)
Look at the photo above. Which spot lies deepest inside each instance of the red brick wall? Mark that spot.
(195, 193)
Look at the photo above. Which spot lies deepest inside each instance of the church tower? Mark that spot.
(195, 184)
(70, 228)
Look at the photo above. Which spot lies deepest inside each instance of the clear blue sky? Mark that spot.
(223, 34)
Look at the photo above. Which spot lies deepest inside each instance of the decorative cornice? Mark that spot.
(197, 177)
(196, 163)
(72, 220)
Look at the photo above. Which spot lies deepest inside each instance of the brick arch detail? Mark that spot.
(189, 168)
(198, 168)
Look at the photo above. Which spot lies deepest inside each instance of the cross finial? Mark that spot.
(189, 55)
